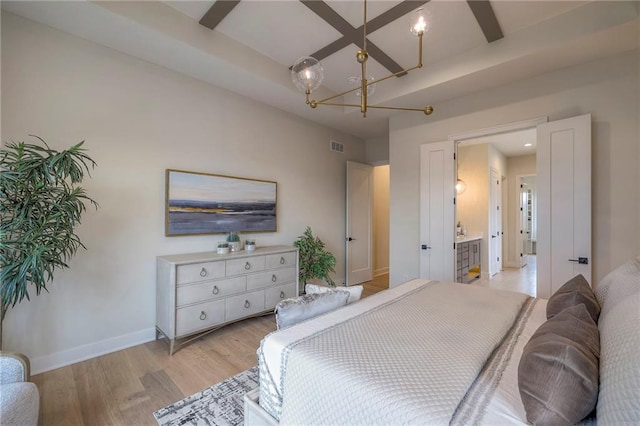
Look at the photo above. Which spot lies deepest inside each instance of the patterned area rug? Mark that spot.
(221, 404)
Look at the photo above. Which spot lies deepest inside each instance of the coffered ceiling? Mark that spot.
(253, 44)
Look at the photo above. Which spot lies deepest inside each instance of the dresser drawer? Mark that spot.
(244, 305)
(197, 317)
(281, 260)
(246, 265)
(210, 290)
(271, 278)
(275, 294)
(199, 272)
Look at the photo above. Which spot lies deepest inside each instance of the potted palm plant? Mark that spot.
(314, 260)
(41, 203)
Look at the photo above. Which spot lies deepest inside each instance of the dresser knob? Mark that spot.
(282, 261)
(215, 290)
(247, 304)
(282, 295)
(274, 278)
(203, 273)
(247, 266)
(203, 315)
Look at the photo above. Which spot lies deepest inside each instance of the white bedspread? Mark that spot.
(408, 355)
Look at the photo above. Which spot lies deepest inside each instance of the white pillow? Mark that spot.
(296, 309)
(619, 322)
(355, 292)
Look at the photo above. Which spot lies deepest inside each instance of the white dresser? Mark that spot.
(197, 293)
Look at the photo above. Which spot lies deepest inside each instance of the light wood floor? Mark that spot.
(522, 280)
(126, 387)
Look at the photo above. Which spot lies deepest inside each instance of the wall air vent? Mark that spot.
(336, 146)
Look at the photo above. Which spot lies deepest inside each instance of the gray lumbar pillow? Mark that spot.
(558, 371)
(296, 309)
(574, 292)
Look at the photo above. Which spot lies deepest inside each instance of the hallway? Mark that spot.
(522, 280)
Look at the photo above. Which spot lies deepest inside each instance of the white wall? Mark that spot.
(377, 151)
(608, 89)
(380, 220)
(139, 119)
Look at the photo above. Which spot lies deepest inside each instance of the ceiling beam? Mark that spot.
(217, 12)
(483, 12)
(351, 35)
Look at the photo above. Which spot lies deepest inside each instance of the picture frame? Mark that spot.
(203, 203)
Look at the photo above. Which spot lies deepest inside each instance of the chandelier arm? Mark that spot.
(363, 91)
(395, 74)
(408, 70)
(323, 101)
(420, 50)
(396, 108)
(372, 106)
(364, 28)
(337, 104)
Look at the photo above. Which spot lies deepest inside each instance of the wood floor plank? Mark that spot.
(59, 401)
(126, 387)
(141, 360)
(159, 391)
(96, 404)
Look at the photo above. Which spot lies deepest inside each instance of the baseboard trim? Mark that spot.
(381, 271)
(92, 350)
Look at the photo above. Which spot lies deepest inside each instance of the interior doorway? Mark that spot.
(528, 218)
(381, 180)
(492, 167)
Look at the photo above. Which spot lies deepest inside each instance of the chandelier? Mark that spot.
(307, 72)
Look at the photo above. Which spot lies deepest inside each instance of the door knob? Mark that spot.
(351, 239)
(581, 260)
(425, 247)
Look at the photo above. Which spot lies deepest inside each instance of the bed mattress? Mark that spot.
(421, 352)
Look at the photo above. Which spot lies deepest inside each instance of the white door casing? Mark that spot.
(563, 202)
(359, 239)
(521, 235)
(437, 214)
(495, 222)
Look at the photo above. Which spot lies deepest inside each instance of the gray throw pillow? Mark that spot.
(296, 309)
(574, 292)
(558, 371)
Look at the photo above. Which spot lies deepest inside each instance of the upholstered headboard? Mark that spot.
(619, 324)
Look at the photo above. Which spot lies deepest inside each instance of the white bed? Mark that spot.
(420, 353)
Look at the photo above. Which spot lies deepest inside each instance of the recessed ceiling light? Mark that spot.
(528, 144)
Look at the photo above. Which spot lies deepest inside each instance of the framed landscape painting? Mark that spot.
(202, 203)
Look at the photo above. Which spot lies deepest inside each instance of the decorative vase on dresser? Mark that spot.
(197, 293)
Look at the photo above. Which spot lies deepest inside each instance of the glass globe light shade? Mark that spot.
(355, 81)
(307, 74)
(420, 21)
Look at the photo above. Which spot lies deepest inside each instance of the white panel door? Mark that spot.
(437, 192)
(359, 241)
(495, 224)
(523, 233)
(564, 202)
